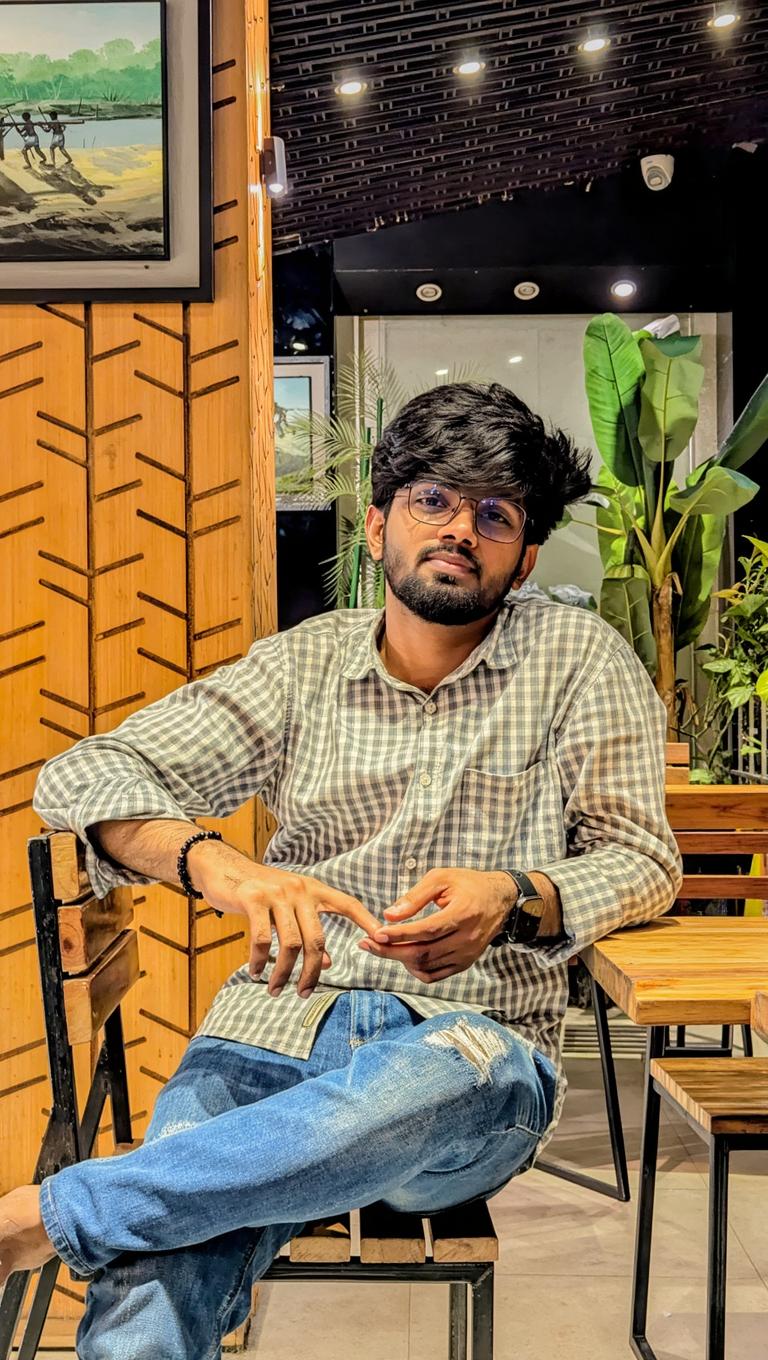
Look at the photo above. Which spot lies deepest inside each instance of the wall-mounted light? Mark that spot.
(724, 17)
(273, 166)
(623, 288)
(350, 86)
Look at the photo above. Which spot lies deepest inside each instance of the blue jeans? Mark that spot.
(246, 1145)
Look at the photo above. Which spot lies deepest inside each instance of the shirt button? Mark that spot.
(425, 780)
(410, 863)
(430, 707)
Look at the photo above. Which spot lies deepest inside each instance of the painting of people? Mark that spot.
(83, 115)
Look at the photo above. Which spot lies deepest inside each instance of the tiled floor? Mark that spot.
(563, 1281)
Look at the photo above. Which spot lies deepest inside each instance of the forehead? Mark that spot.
(476, 490)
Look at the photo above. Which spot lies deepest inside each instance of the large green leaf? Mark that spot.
(613, 373)
(624, 504)
(695, 561)
(625, 602)
(749, 433)
(677, 344)
(720, 492)
(669, 400)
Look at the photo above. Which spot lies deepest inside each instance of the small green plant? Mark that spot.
(736, 668)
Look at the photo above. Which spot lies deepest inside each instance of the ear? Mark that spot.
(374, 532)
(527, 564)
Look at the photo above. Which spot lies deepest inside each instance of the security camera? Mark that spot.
(658, 171)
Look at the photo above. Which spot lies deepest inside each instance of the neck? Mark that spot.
(422, 653)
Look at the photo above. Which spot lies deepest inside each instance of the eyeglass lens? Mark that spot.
(498, 518)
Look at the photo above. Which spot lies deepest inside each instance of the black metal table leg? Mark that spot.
(118, 1078)
(649, 1154)
(482, 1317)
(718, 1246)
(619, 1189)
(457, 1338)
(746, 1039)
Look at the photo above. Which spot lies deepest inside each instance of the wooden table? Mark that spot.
(676, 971)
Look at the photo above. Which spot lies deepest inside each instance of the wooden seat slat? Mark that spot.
(70, 880)
(721, 1097)
(90, 998)
(718, 807)
(465, 1233)
(722, 842)
(389, 1236)
(704, 886)
(678, 753)
(88, 927)
(677, 774)
(323, 1241)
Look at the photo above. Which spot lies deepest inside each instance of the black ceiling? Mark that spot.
(422, 141)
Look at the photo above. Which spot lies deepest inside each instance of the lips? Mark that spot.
(458, 564)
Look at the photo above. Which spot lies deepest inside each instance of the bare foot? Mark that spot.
(24, 1243)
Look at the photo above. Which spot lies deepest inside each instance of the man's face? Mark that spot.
(446, 573)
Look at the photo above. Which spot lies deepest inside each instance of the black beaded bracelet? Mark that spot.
(181, 863)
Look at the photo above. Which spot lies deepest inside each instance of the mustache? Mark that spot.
(451, 552)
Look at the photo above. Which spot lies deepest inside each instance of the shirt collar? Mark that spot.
(496, 649)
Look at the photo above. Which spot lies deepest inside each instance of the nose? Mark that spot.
(462, 527)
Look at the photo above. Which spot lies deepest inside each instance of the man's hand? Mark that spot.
(473, 908)
(269, 897)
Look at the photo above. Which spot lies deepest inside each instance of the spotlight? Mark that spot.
(724, 17)
(526, 291)
(273, 166)
(351, 85)
(515, 358)
(623, 288)
(470, 65)
(429, 292)
(596, 42)
(300, 345)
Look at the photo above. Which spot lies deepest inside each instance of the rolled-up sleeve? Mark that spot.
(202, 751)
(623, 866)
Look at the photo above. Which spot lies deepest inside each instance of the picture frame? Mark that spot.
(302, 385)
(108, 198)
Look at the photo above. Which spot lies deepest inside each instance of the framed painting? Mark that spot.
(302, 390)
(105, 150)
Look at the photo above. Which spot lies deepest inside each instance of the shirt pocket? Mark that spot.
(511, 820)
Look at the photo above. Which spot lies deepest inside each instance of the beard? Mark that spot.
(444, 598)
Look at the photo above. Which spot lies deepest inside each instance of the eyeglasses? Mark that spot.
(495, 516)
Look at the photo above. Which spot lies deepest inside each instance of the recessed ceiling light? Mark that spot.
(351, 86)
(515, 358)
(623, 288)
(441, 372)
(429, 292)
(469, 66)
(299, 344)
(526, 291)
(724, 17)
(597, 42)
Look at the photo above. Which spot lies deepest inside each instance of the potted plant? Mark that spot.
(660, 544)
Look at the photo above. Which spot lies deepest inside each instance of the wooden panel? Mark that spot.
(162, 568)
(684, 970)
(677, 774)
(718, 807)
(678, 753)
(389, 1236)
(323, 1242)
(722, 842)
(704, 886)
(465, 1233)
(759, 1013)
(67, 866)
(90, 999)
(86, 928)
(721, 1097)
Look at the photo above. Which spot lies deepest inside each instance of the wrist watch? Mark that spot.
(522, 924)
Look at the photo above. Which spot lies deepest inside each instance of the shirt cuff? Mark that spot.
(136, 801)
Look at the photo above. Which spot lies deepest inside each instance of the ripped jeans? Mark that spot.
(246, 1145)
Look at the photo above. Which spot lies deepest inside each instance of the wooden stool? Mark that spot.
(727, 1106)
(89, 960)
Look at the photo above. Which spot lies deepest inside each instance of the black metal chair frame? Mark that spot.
(69, 1139)
(720, 1147)
(619, 1187)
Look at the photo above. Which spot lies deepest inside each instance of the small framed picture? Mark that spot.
(105, 150)
(302, 391)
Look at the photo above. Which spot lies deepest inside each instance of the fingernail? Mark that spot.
(276, 991)
(307, 992)
(381, 937)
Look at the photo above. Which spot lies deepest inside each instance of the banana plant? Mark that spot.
(660, 543)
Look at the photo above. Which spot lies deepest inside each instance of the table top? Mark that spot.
(683, 970)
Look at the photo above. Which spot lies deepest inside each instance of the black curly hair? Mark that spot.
(482, 435)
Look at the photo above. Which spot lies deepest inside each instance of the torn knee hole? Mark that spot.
(477, 1043)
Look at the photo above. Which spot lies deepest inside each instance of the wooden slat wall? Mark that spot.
(137, 551)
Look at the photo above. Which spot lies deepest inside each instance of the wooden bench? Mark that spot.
(88, 955)
(726, 1104)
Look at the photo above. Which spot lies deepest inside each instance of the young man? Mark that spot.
(469, 789)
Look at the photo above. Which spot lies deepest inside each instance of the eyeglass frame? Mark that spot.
(472, 501)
